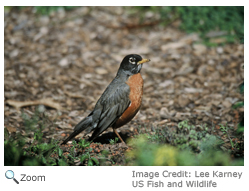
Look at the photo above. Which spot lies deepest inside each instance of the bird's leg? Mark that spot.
(115, 131)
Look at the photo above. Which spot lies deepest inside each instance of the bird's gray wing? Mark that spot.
(110, 107)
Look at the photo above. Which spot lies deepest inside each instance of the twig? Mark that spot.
(47, 102)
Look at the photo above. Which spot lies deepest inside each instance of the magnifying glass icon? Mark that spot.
(10, 175)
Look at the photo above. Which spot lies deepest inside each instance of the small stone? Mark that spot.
(35, 84)
(41, 108)
(14, 53)
(219, 50)
(64, 62)
(171, 102)
(211, 62)
(22, 75)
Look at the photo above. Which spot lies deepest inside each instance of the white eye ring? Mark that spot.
(132, 60)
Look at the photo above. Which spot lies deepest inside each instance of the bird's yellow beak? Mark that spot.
(143, 61)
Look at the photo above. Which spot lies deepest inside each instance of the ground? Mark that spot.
(65, 61)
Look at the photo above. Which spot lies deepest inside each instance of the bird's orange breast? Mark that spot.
(135, 83)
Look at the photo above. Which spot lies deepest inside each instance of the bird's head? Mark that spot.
(132, 64)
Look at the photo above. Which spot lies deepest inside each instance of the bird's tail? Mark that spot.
(81, 126)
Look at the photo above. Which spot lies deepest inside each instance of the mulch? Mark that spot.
(65, 60)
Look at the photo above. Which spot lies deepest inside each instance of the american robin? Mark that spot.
(119, 103)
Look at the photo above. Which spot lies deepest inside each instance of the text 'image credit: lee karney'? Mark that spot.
(202, 179)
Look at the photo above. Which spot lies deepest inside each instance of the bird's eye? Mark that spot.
(132, 60)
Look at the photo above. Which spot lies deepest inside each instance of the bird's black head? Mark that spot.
(132, 64)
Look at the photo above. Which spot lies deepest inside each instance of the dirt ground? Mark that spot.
(66, 60)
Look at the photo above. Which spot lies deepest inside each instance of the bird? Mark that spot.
(118, 104)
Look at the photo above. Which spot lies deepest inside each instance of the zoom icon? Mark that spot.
(10, 175)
